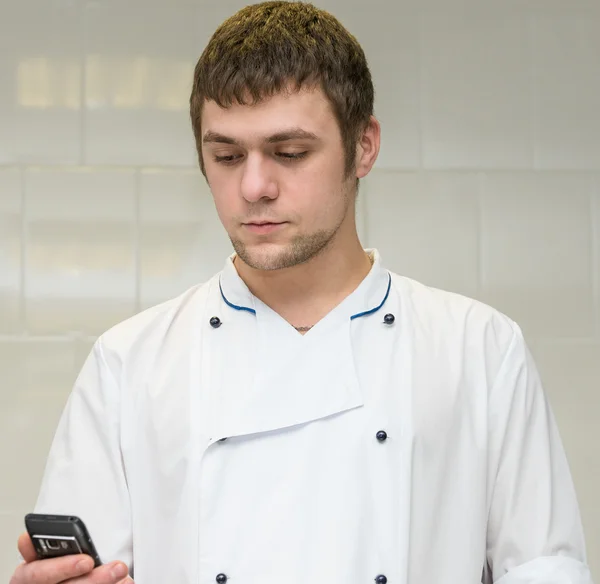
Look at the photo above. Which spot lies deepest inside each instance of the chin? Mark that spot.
(264, 257)
(270, 256)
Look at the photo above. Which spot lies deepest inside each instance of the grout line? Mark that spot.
(83, 84)
(420, 84)
(25, 338)
(69, 338)
(137, 261)
(499, 169)
(480, 260)
(594, 256)
(380, 169)
(66, 337)
(24, 240)
(109, 166)
(532, 22)
(562, 341)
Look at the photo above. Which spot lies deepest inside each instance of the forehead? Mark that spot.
(308, 109)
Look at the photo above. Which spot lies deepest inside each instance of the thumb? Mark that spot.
(26, 548)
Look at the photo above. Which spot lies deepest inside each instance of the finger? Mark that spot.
(26, 548)
(108, 574)
(54, 570)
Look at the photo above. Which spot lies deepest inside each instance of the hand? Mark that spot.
(76, 569)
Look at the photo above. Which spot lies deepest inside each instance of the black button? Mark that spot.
(381, 579)
(389, 319)
(215, 322)
(381, 435)
(222, 439)
(221, 578)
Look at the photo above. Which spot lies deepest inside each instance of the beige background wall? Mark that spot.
(488, 184)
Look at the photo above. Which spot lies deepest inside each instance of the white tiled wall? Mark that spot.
(488, 184)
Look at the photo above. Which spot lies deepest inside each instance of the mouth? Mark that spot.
(263, 227)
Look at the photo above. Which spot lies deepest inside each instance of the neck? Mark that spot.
(305, 293)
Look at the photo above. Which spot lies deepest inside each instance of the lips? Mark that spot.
(263, 227)
(263, 223)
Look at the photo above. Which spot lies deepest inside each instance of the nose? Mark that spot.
(257, 180)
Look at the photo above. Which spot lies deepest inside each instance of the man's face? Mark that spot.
(276, 171)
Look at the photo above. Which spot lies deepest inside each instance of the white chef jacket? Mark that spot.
(406, 439)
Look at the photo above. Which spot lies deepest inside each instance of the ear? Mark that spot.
(368, 148)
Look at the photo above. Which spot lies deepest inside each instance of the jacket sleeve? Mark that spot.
(84, 473)
(534, 531)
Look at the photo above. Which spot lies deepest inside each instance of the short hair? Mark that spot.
(279, 46)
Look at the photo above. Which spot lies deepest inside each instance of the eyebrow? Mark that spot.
(282, 136)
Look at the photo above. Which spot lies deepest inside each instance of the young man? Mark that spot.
(306, 416)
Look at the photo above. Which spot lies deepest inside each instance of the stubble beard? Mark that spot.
(301, 249)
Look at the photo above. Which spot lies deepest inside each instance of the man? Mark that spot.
(306, 416)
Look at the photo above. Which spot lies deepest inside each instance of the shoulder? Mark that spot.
(457, 323)
(449, 308)
(143, 333)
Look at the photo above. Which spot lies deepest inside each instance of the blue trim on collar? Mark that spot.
(252, 311)
(234, 305)
(377, 307)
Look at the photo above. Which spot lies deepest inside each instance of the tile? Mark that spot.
(571, 374)
(139, 75)
(11, 526)
(28, 427)
(426, 226)
(80, 266)
(476, 85)
(37, 379)
(209, 17)
(596, 252)
(391, 45)
(10, 250)
(567, 86)
(558, 7)
(182, 241)
(83, 348)
(570, 371)
(41, 72)
(536, 251)
(36, 366)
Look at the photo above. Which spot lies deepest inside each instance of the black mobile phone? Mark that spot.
(60, 535)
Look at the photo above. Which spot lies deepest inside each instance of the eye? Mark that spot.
(292, 155)
(225, 159)
(286, 156)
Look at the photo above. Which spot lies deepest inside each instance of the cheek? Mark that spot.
(224, 204)
(225, 211)
(322, 204)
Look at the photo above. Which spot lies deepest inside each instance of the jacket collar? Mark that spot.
(368, 298)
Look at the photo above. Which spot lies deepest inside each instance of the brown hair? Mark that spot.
(278, 46)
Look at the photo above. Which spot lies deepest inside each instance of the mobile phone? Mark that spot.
(60, 535)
